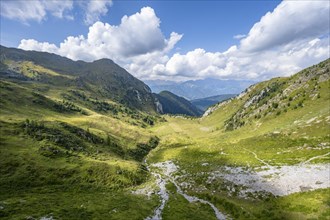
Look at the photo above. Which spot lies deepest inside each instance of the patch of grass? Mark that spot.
(178, 207)
(75, 204)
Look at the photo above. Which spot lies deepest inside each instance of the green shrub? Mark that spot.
(274, 104)
(142, 149)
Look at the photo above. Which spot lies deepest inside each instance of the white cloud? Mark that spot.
(96, 8)
(195, 63)
(58, 8)
(35, 45)
(35, 10)
(138, 34)
(38, 10)
(270, 49)
(23, 10)
(238, 64)
(239, 36)
(289, 21)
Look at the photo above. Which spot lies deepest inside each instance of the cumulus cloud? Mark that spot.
(290, 21)
(35, 45)
(38, 10)
(281, 43)
(195, 63)
(237, 64)
(138, 34)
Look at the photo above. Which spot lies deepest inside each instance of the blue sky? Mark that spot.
(206, 24)
(176, 40)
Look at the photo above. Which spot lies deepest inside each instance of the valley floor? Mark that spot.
(239, 175)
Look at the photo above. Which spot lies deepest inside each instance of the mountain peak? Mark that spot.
(101, 78)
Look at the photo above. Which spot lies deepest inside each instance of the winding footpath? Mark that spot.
(316, 157)
(166, 169)
(256, 156)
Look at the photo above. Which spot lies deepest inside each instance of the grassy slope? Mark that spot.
(102, 78)
(75, 157)
(293, 136)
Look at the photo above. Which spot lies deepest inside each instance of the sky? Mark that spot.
(175, 40)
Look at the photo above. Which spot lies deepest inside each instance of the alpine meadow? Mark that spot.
(124, 119)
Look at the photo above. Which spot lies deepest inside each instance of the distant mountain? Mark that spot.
(204, 103)
(197, 89)
(173, 104)
(103, 79)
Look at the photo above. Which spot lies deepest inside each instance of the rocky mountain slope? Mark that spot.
(278, 96)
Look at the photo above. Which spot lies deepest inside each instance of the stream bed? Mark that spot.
(163, 174)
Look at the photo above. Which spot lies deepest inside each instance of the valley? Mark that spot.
(86, 141)
(275, 160)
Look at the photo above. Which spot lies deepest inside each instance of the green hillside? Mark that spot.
(83, 141)
(102, 78)
(173, 104)
(71, 134)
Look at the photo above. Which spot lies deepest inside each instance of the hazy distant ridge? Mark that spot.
(197, 89)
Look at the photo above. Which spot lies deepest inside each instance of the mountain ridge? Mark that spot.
(101, 77)
(196, 89)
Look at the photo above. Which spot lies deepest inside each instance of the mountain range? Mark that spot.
(197, 89)
(101, 78)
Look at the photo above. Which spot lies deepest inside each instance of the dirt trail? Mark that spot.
(256, 156)
(313, 158)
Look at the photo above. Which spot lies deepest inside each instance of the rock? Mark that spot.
(47, 218)
(305, 188)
